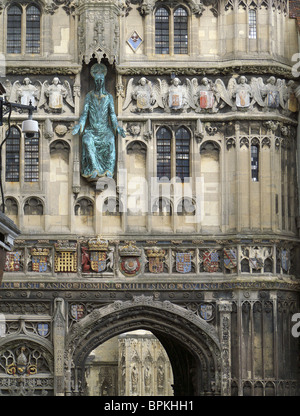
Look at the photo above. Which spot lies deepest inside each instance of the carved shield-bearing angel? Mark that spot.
(142, 94)
(55, 94)
(25, 93)
(170, 97)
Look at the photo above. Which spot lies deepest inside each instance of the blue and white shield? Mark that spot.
(43, 329)
(206, 311)
(183, 262)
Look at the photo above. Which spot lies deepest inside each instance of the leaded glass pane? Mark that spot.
(182, 153)
(180, 31)
(14, 25)
(13, 156)
(163, 139)
(162, 31)
(33, 30)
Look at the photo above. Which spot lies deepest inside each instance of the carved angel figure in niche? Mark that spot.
(170, 97)
(23, 93)
(207, 96)
(55, 94)
(242, 93)
(142, 94)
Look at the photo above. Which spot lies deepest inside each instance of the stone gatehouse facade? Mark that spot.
(195, 237)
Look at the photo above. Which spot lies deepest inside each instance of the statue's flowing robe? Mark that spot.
(98, 141)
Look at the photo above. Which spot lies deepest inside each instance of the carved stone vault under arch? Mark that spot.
(192, 344)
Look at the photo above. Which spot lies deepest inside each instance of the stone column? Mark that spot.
(225, 309)
(59, 328)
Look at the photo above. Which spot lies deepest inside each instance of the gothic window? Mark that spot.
(171, 31)
(31, 158)
(23, 29)
(164, 153)
(162, 31)
(33, 30)
(252, 24)
(14, 24)
(169, 166)
(180, 31)
(254, 162)
(84, 207)
(33, 206)
(13, 155)
(182, 153)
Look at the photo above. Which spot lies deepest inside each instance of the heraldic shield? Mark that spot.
(183, 262)
(156, 260)
(206, 311)
(98, 261)
(130, 264)
(230, 258)
(211, 261)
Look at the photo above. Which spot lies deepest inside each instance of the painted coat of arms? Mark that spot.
(207, 99)
(211, 261)
(12, 262)
(39, 259)
(256, 263)
(230, 258)
(77, 311)
(183, 262)
(130, 264)
(43, 329)
(156, 260)
(97, 255)
(273, 99)
(206, 311)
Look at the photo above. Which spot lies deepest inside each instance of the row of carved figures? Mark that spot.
(54, 97)
(211, 96)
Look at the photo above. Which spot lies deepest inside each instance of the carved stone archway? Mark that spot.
(192, 344)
